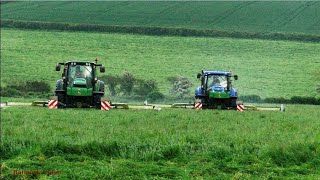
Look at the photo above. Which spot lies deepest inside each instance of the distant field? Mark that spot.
(173, 144)
(244, 16)
(266, 68)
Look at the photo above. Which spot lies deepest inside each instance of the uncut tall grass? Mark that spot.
(188, 143)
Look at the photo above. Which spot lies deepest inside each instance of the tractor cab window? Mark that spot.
(217, 81)
(80, 71)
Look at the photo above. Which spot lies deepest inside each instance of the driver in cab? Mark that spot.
(217, 82)
(79, 73)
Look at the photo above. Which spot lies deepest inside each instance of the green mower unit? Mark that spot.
(79, 86)
(216, 90)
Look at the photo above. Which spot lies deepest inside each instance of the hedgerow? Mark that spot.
(158, 31)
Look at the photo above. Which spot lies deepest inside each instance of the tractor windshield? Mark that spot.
(80, 71)
(216, 81)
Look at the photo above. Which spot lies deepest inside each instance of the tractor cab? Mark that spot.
(79, 86)
(80, 75)
(215, 82)
(216, 89)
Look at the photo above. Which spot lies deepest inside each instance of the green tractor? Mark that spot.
(79, 86)
(216, 90)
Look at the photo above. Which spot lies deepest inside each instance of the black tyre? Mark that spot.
(59, 85)
(202, 101)
(101, 88)
(61, 96)
(233, 102)
(61, 100)
(97, 101)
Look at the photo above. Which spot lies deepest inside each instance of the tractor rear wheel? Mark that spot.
(101, 88)
(97, 101)
(61, 95)
(61, 99)
(97, 97)
(201, 100)
(233, 102)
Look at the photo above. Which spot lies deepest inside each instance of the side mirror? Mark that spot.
(58, 67)
(102, 69)
(235, 77)
(198, 75)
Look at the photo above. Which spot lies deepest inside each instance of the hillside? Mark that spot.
(266, 68)
(286, 17)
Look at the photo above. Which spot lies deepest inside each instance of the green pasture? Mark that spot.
(170, 143)
(265, 68)
(166, 144)
(243, 16)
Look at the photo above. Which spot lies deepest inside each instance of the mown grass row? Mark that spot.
(157, 31)
(181, 143)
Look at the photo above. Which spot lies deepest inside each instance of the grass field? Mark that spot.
(287, 17)
(266, 68)
(174, 144)
(171, 143)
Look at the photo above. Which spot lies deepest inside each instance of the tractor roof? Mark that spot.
(226, 73)
(80, 62)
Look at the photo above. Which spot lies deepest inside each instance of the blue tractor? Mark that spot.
(216, 90)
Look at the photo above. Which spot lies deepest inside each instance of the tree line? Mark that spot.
(127, 85)
(158, 31)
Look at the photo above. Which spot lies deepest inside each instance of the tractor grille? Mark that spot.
(80, 85)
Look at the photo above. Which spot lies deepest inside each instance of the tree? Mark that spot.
(144, 87)
(155, 95)
(126, 83)
(180, 85)
(112, 82)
